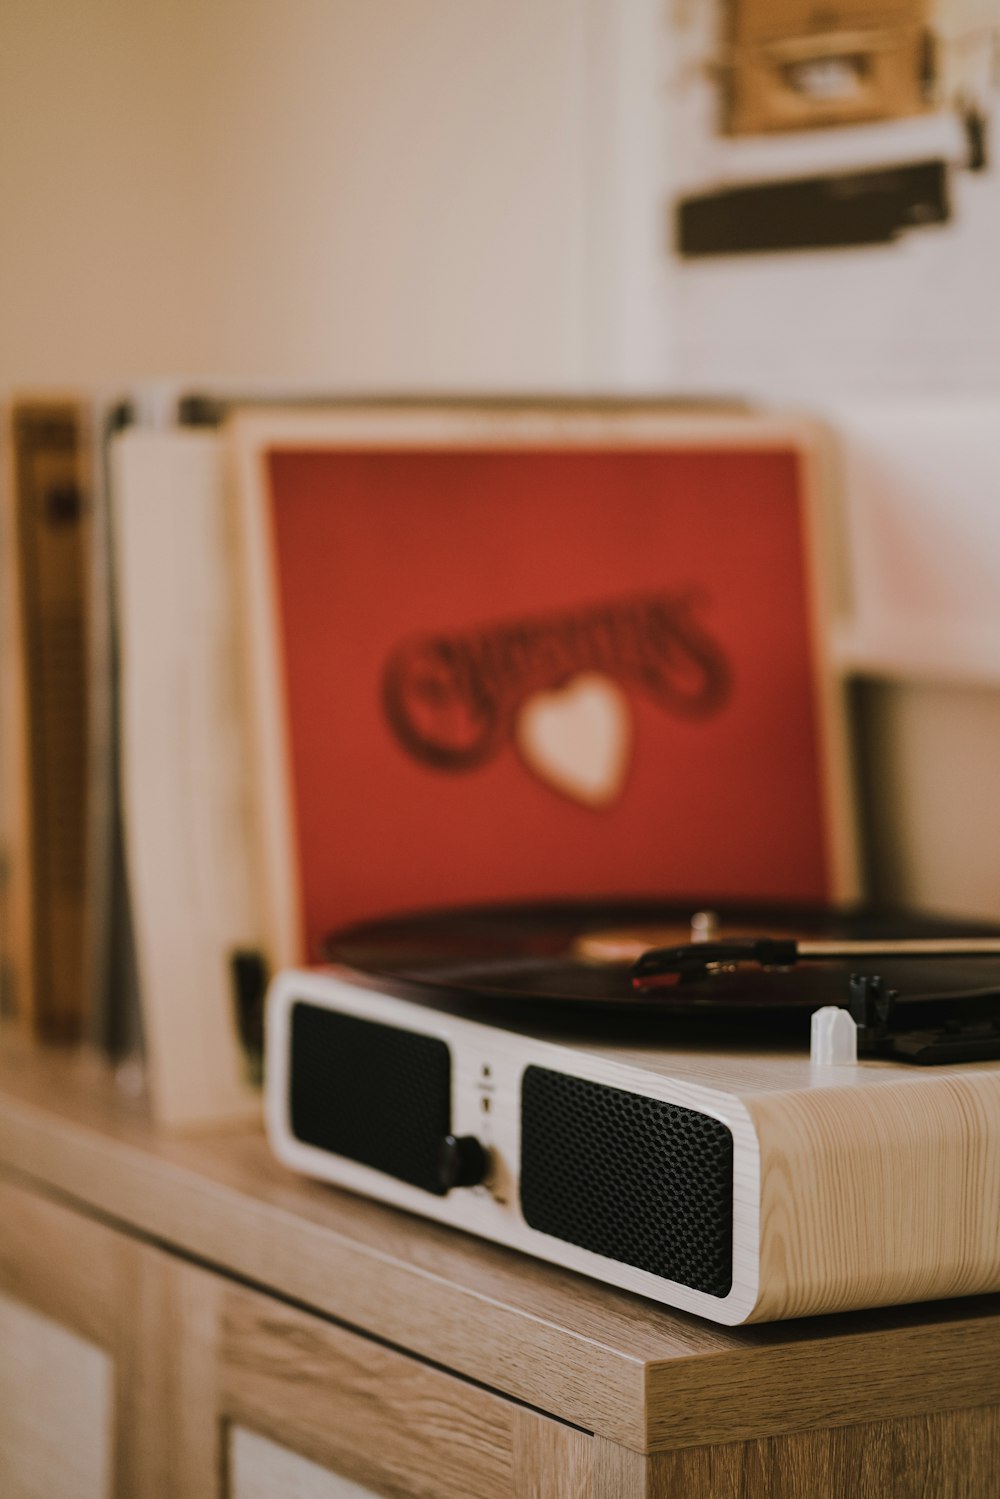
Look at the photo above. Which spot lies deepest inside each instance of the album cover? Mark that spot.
(517, 652)
(182, 784)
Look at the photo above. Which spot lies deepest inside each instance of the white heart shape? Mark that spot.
(578, 738)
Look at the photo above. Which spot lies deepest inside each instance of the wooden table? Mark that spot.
(186, 1318)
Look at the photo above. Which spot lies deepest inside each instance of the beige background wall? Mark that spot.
(340, 191)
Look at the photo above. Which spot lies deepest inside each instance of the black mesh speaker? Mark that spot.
(372, 1092)
(637, 1180)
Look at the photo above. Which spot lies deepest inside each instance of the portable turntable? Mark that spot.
(590, 1085)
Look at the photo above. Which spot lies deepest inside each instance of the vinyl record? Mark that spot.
(581, 957)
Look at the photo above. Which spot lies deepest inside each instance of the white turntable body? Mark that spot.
(846, 1185)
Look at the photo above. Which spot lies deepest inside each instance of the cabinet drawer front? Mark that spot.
(61, 1352)
(382, 1422)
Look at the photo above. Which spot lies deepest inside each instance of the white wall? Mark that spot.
(917, 315)
(936, 806)
(96, 238)
(355, 192)
(393, 192)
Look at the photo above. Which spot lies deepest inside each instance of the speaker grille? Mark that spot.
(371, 1092)
(637, 1180)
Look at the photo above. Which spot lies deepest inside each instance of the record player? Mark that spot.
(754, 1116)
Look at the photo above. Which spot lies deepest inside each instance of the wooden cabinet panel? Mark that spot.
(60, 1379)
(107, 1361)
(945, 1455)
(551, 1465)
(198, 1341)
(383, 1420)
(61, 1263)
(175, 1373)
(56, 1410)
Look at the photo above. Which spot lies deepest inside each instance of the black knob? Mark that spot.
(462, 1162)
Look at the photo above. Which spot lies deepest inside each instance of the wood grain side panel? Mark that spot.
(947, 1455)
(371, 1414)
(878, 1196)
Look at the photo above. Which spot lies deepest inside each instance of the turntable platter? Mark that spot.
(580, 956)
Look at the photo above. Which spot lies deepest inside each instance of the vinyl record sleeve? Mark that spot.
(512, 652)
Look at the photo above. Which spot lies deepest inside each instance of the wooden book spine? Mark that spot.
(50, 555)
